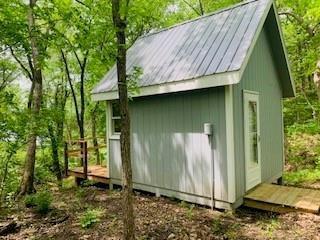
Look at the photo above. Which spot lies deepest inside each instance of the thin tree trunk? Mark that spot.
(60, 101)
(4, 177)
(94, 133)
(79, 115)
(73, 93)
(316, 79)
(28, 174)
(127, 195)
(55, 154)
(82, 97)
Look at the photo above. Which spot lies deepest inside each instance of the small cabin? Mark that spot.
(207, 123)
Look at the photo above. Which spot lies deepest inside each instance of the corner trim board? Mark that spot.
(230, 143)
(108, 133)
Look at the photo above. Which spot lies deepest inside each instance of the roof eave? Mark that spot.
(216, 80)
(289, 91)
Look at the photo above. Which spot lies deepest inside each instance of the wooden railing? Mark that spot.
(81, 152)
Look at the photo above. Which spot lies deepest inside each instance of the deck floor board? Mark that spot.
(96, 173)
(294, 198)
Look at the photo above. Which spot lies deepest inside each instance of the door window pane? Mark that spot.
(253, 131)
(116, 119)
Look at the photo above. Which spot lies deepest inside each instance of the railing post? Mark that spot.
(85, 165)
(66, 159)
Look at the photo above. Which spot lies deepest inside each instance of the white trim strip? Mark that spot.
(230, 144)
(216, 80)
(108, 134)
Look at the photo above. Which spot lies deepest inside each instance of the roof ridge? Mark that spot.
(198, 18)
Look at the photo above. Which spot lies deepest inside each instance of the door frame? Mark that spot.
(251, 180)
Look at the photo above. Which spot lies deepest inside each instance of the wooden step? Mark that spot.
(278, 198)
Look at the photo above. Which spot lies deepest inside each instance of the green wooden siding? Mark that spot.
(260, 76)
(169, 148)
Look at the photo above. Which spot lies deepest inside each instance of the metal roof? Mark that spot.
(209, 45)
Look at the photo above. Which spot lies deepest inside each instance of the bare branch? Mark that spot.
(30, 63)
(77, 57)
(82, 3)
(193, 8)
(315, 28)
(201, 7)
(25, 69)
(299, 20)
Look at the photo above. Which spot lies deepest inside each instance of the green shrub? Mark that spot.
(300, 177)
(190, 211)
(217, 226)
(68, 183)
(44, 200)
(30, 201)
(41, 201)
(90, 217)
(189, 208)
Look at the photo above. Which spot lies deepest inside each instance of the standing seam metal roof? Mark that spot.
(208, 45)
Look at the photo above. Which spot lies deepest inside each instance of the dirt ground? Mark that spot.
(156, 218)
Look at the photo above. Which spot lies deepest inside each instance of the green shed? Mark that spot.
(207, 123)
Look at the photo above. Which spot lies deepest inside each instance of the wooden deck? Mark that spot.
(278, 198)
(95, 173)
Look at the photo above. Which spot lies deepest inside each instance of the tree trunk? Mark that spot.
(4, 177)
(127, 195)
(55, 129)
(316, 79)
(26, 185)
(79, 114)
(55, 154)
(74, 96)
(94, 133)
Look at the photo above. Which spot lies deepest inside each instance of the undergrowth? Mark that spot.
(40, 201)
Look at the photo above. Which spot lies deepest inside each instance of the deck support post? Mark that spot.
(81, 152)
(280, 181)
(78, 181)
(66, 159)
(85, 157)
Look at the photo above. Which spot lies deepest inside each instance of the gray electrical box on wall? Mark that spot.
(207, 129)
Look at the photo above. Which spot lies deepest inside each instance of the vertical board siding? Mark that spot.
(260, 76)
(115, 159)
(169, 148)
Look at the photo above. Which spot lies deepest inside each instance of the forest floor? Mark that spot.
(156, 218)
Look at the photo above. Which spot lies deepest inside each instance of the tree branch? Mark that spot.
(30, 64)
(77, 56)
(71, 86)
(315, 27)
(201, 7)
(300, 20)
(82, 3)
(193, 8)
(25, 69)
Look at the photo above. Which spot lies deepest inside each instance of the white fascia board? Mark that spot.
(216, 80)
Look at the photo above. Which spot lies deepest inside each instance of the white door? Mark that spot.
(252, 139)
